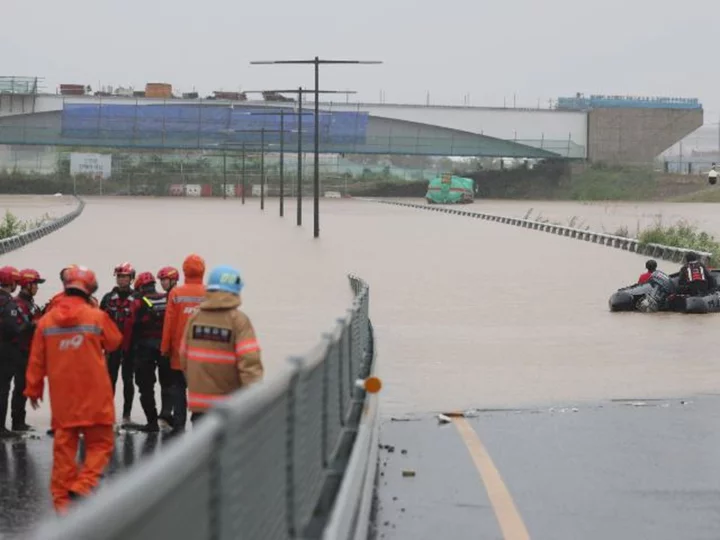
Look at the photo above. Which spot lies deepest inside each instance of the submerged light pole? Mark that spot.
(299, 91)
(316, 173)
(263, 131)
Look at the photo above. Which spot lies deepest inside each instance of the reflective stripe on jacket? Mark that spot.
(68, 347)
(182, 302)
(220, 353)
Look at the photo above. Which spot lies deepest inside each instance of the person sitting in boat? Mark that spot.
(650, 266)
(695, 279)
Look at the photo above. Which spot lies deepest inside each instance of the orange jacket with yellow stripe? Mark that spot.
(219, 352)
(182, 303)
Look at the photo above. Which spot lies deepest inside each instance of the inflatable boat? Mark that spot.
(659, 294)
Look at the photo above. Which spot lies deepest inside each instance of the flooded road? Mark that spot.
(467, 313)
(31, 207)
(602, 216)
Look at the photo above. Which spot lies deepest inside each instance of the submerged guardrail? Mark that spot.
(16, 242)
(657, 251)
(288, 458)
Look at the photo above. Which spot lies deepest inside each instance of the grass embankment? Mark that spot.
(708, 195)
(682, 235)
(608, 184)
(558, 181)
(11, 225)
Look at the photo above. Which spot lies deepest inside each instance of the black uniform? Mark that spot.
(117, 304)
(695, 279)
(146, 325)
(12, 324)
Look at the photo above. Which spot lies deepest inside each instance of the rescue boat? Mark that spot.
(660, 294)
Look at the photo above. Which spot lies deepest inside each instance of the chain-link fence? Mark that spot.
(267, 464)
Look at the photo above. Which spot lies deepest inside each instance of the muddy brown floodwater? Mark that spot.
(468, 313)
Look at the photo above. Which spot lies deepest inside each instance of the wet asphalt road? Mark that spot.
(636, 469)
(25, 465)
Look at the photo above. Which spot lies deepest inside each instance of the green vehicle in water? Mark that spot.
(449, 189)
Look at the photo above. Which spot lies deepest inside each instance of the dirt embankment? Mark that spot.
(563, 181)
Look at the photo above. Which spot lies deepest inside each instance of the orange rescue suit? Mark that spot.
(68, 347)
(182, 302)
(59, 296)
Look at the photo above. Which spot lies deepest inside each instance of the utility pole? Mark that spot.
(300, 114)
(316, 173)
(262, 132)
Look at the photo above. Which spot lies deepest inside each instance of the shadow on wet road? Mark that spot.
(25, 466)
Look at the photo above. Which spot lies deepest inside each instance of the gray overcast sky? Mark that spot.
(537, 49)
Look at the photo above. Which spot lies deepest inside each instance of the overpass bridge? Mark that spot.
(623, 130)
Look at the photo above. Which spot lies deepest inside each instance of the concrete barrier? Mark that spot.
(656, 251)
(16, 242)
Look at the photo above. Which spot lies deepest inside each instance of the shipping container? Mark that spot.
(177, 190)
(206, 190)
(158, 90)
(72, 89)
(193, 190)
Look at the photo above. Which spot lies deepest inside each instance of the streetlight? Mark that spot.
(300, 114)
(262, 132)
(316, 173)
(282, 148)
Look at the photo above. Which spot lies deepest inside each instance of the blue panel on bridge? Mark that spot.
(220, 124)
(595, 101)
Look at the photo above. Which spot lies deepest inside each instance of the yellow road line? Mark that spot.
(511, 524)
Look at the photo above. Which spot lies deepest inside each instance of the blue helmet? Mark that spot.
(226, 279)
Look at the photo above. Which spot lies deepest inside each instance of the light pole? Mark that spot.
(300, 114)
(316, 173)
(243, 173)
(262, 132)
(282, 146)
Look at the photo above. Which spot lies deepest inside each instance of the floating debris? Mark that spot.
(408, 473)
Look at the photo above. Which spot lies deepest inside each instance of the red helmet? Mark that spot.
(143, 279)
(28, 276)
(9, 276)
(125, 269)
(168, 272)
(69, 267)
(81, 278)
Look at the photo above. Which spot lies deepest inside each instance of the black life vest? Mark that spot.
(150, 315)
(117, 305)
(695, 272)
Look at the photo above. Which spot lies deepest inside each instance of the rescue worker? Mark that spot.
(116, 303)
(11, 363)
(650, 266)
(51, 303)
(142, 341)
(695, 279)
(67, 348)
(25, 300)
(168, 277)
(182, 302)
(220, 353)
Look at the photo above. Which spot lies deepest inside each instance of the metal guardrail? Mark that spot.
(657, 251)
(288, 458)
(16, 242)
